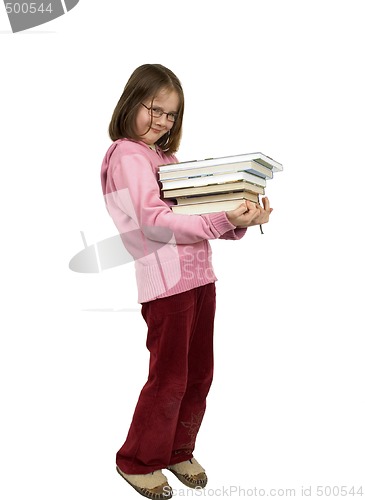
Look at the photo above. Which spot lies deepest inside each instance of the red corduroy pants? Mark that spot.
(172, 403)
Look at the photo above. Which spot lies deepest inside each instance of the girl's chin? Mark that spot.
(151, 137)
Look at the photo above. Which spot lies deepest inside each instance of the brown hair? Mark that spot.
(145, 83)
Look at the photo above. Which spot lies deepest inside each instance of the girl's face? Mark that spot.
(167, 101)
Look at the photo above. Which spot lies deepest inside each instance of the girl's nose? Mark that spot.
(162, 120)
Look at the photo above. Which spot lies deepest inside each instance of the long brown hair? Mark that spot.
(145, 83)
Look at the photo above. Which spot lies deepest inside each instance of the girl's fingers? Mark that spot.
(241, 209)
(266, 203)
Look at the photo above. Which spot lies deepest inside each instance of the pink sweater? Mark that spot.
(171, 251)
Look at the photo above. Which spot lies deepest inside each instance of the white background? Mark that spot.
(286, 409)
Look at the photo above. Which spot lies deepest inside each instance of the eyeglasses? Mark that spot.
(158, 112)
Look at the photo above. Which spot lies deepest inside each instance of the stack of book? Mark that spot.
(216, 184)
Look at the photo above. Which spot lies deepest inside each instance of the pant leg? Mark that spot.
(151, 435)
(200, 376)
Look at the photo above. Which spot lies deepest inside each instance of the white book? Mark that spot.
(259, 157)
(252, 167)
(208, 180)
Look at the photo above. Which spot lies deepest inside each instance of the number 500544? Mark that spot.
(25, 8)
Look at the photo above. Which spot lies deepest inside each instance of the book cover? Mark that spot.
(258, 157)
(215, 188)
(252, 167)
(207, 180)
(206, 208)
(237, 195)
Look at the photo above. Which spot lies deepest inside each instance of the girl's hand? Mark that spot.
(250, 214)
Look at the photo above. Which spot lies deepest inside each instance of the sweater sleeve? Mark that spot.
(137, 194)
(234, 234)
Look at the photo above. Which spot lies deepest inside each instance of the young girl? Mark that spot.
(175, 280)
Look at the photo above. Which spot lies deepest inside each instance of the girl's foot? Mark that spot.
(190, 473)
(153, 485)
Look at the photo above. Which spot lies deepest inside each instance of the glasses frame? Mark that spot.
(161, 112)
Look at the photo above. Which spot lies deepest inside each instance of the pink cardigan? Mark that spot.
(171, 251)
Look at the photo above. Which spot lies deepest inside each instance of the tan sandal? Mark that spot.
(153, 485)
(190, 473)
